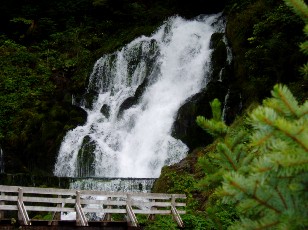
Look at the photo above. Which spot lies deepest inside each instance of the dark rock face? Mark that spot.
(185, 126)
(105, 110)
(221, 87)
(129, 102)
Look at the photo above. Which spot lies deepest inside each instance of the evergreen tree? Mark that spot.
(267, 178)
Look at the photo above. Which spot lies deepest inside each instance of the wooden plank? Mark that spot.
(101, 210)
(8, 198)
(49, 200)
(156, 204)
(83, 201)
(49, 209)
(7, 207)
(104, 202)
(136, 211)
(35, 190)
(72, 192)
(86, 210)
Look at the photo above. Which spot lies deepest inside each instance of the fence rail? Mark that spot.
(25, 199)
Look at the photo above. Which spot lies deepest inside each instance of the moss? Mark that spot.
(86, 158)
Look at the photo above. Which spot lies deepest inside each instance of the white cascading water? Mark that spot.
(172, 65)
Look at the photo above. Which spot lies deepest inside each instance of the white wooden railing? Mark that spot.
(25, 199)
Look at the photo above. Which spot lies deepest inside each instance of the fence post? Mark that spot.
(56, 216)
(132, 219)
(2, 203)
(22, 212)
(20, 199)
(151, 217)
(80, 216)
(175, 214)
(107, 216)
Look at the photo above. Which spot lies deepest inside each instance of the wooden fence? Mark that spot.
(55, 201)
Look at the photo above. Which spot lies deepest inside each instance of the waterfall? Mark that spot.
(132, 99)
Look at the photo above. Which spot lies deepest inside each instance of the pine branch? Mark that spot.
(299, 7)
(267, 226)
(225, 151)
(304, 108)
(268, 117)
(259, 200)
(283, 94)
(261, 141)
(216, 109)
(238, 152)
(215, 128)
(254, 225)
(237, 139)
(282, 198)
(304, 47)
(285, 129)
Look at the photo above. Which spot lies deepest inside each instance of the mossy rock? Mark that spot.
(131, 101)
(86, 158)
(105, 110)
(89, 98)
(215, 39)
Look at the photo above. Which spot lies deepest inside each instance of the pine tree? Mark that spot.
(268, 183)
(229, 148)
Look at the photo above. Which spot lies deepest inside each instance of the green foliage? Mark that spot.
(301, 9)
(162, 222)
(265, 177)
(175, 182)
(265, 35)
(215, 126)
(216, 109)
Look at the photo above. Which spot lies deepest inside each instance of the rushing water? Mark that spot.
(113, 184)
(132, 100)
